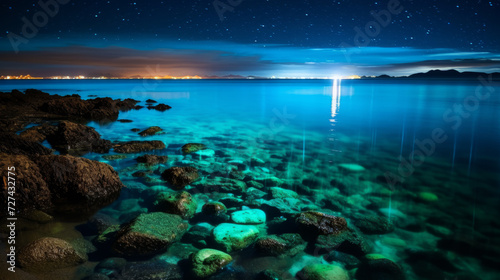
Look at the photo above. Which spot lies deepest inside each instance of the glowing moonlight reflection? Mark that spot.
(335, 97)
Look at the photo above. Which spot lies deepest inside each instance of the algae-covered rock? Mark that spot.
(148, 234)
(374, 224)
(250, 216)
(179, 177)
(207, 262)
(277, 192)
(323, 272)
(47, 254)
(231, 237)
(179, 203)
(193, 147)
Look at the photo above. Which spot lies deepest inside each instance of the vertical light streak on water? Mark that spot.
(413, 145)
(403, 137)
(390, 206)
(471, 147)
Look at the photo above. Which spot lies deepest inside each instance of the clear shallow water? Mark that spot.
(318, 125)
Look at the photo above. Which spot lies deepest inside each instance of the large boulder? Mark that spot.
(77, 139)
(179, 177)
(207, 262)
(47, 254)
(179, 203)
(31, 190)
(231, 237)
(80, 181)
(138, 146)
(349, 241)
(148, 234)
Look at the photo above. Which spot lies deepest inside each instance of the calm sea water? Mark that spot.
(439, 136)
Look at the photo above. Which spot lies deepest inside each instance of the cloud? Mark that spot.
(73, 60)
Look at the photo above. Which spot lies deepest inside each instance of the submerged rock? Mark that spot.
(378, 269)
(148, 234)
(277, 192)
(180, 203)
(220, 184)
(207, 262)
(231, 237)
(323, 272)
(427, 197)
(351, 167)
(151, 159)
(150, 131)
(276, 245)
(193, 147)
(213, 208)
(316, 223)
(350, 241)
(198, 235)
(114, 157)
(179, 177)
(250, 216)
(151, 101)
(348, 261)
(138, 146)
(374, 224)
(48, 254)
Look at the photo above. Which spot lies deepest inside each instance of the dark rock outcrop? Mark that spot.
(160, 107)
(77, 139)
(15, 145)
(79, 181)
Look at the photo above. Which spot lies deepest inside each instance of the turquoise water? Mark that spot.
(440, 137)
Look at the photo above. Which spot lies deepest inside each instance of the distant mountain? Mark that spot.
(451, 74)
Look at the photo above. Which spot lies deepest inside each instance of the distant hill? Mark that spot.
(451, 74)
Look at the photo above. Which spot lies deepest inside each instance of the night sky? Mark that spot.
(248, 37)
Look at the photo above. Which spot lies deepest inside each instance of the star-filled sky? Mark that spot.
(306, 38)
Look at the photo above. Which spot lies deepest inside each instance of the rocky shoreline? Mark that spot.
(188, 216)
